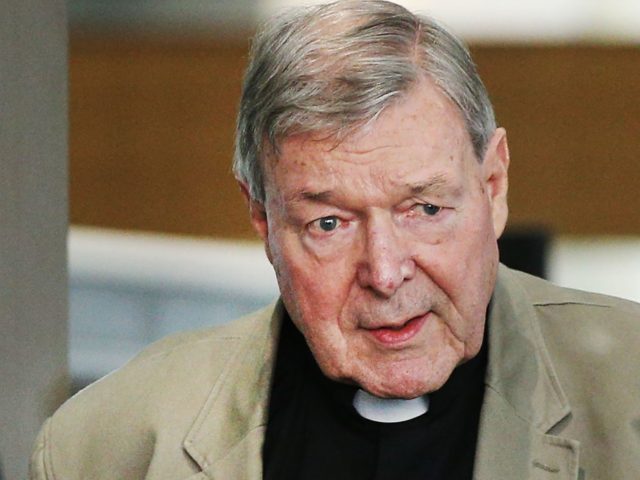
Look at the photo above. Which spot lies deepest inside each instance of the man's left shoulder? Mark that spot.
(546, 296)
(597, 329)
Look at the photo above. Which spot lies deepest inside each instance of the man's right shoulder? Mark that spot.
(242, 328)
(121, 421)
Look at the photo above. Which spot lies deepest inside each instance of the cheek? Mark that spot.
(479, 257)
(313, 291)
(463, 250)
(464, 267)
(476, 233)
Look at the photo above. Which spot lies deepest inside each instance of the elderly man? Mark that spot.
(369, 156)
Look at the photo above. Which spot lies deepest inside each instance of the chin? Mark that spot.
(405, 385)
(405, 390)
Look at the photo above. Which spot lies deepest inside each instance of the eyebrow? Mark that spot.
(438, 184)
(434, 185)
(320, 197)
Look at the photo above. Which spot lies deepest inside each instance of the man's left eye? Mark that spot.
(429, 209)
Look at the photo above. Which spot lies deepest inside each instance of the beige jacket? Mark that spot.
(562, 398)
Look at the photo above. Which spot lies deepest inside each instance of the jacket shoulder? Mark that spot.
(235, 330)
(543, 292)
(115, 427)
(590, 325)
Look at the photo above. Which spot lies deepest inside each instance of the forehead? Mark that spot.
(422, 134)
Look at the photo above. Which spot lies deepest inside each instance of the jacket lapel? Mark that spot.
(523, 398)
(227, 436)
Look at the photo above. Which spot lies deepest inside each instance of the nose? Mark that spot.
(386, 261)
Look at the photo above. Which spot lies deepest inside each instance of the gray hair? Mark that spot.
(332, 68)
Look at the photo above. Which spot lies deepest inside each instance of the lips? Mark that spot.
(394, 335)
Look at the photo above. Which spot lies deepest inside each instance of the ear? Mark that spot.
(495, 166)
(257, 213)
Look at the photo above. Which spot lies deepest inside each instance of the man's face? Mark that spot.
(384, 245)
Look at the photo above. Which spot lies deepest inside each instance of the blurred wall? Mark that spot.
(33, 223)
(152, 119)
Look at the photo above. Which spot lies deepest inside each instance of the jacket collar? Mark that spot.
(523, 397)
(226, 438)
(523, 400)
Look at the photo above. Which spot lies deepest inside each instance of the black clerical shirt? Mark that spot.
(315, 433)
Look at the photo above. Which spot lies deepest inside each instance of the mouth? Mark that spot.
(399, 334)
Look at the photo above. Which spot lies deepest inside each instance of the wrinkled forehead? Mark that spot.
(418, 137)
(424, 115)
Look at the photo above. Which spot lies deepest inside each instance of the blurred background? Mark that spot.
(160, 239)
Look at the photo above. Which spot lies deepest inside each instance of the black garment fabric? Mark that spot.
(314, 432)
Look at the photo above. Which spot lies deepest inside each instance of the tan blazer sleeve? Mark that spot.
(39, 468)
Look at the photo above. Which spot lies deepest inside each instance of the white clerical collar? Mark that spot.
(389, 410)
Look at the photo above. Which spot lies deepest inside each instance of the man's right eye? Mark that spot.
(327, 224)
